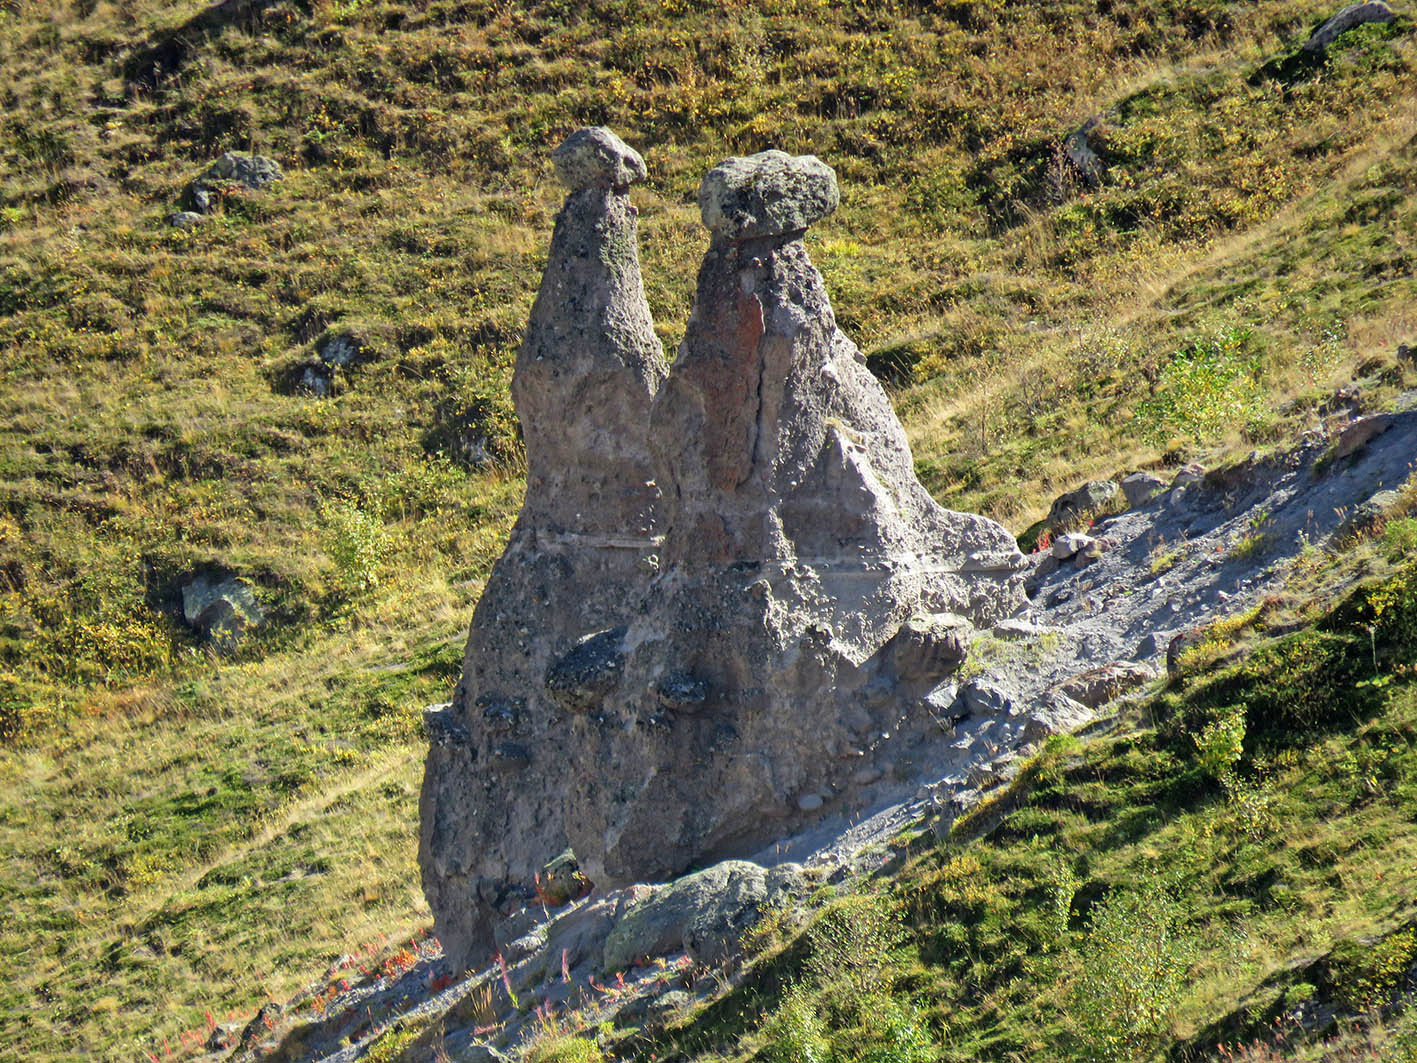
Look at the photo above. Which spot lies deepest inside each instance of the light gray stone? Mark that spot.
(221, 608)
(1347, 18)
(596, 158)
(1053, 713)
(1141, 487)
(1070, 544)
(704, 914)
(768, 194)
(184, 219)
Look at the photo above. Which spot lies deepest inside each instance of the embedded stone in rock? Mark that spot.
(768, 194)
(682, 692)
(1347, 18)
(595, 157)
(583, 678)
(931, 647)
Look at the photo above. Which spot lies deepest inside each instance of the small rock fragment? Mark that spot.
(1360, 433)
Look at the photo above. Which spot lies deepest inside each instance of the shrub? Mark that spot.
(357, 543)
(1135, 958)
(795, 1032)
(565, 1050)
(1205, 388)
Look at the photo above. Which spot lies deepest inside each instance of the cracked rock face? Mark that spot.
(805, 598)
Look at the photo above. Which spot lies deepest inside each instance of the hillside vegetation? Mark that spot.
(188, 833)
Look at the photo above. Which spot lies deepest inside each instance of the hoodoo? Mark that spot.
(491, 806)
(664, 679)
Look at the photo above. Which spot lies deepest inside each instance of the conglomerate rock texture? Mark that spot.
(661, 682)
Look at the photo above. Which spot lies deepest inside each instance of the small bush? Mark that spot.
(1135, 958)
(1206, 387)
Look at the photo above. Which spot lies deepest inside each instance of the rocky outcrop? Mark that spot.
(221, 609)
(250, 172)
(695, 671)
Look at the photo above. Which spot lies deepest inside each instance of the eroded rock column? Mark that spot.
(812, 593)
(502, 755)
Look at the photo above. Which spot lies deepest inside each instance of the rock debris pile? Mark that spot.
(728, 609)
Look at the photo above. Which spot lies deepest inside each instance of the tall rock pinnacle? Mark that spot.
(585, 377)
(665, 677)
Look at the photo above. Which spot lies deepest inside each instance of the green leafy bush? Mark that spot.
(1135, 958)
(1207, 386)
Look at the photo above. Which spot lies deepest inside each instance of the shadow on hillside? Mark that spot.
(148, 67)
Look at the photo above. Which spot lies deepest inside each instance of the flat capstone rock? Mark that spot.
(594, 157)
(768, 194)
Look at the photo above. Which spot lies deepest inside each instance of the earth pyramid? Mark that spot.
(662, 681)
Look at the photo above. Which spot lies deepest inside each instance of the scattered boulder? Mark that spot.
(1078, 506)
(341, 350)
(704, 914)
(1180, 644)
(1069, 545)
(1406, 354)
(1141, 487)
(1360, 433)
(1053, 713)
(1187, 475)
(980, 697)
(251, 172)
(1097, 686)
(221, 608)
(184, 219)
(1077, 148)
(1347, 18)
(1369, 516)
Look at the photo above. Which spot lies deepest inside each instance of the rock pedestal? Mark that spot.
(807, 595)
(584, 379)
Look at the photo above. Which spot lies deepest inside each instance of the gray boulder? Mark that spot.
(251, 172)
(1141, 487)
(704, 914)
(1077, 148)
(184, 219)
(1097, 686)
(1350, 17)
(221, 608)
(1080, 505)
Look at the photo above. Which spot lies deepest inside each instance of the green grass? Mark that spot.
(185, 832)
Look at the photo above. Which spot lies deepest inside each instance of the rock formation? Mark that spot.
(585, 375)
(807, 595)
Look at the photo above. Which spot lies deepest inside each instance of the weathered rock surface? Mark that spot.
(1347, 18)
(251, 172)
(221, 608)
(712, 607)
(492, 807)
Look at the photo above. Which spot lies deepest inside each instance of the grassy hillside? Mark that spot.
(185, 832)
